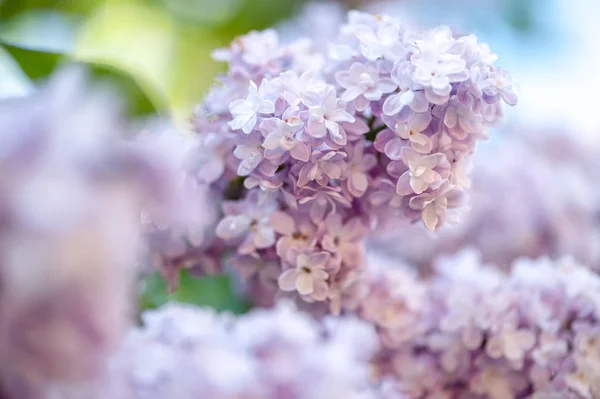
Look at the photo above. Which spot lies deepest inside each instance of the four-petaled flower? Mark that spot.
(306, 274)
(245, 112)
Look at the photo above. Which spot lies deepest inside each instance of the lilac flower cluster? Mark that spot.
(557, 215)
(72, 186)
(68, 234)
(186, 352)
(473, 332)
(328, 148)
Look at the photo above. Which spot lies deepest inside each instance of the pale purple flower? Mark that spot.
(250, 152)
(326, 114)
(411, 130)
(343, 238)
(245, 112)
(499, 83)
(395, 103)
(380, 41)
(322, 167)
(299, 232)
(249, 221)
(357, 169)
(281, 136)
(363, 84)
(438, 64)
(425, 171)
(460, 120)
(306, 273)
(433, 206)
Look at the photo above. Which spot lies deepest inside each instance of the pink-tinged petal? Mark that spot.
(338, 134)
(362, 103)
(393, 149)
(317, 211)
(369, 161)
(344, 78)
(451, 117)
(471, 124)
(316, 129)
(351, 93)
(431, 218)
(421, 143)
(358, 183)
(386, 85)
(382, 139)
(441, 84)
(301, 152)
(420, 122)
(435, 98)
(419, 202)
(419, 102)
(332, 170)
(305, 284)
(282, 246)
(410, 156)
(358, 127)
(395, 169)
(403, 187)
(330, 99)
(240, 121)
(249, 126)
(282, 223)
(339, 115)
(319, 274)
(233, 226)
(266, 107)
(379, 198)
(318, 260)
(333, 223)
(272, 141)
(320, 290)
(264, 237)
(247, 246)
(419, 184)
(402, 130)
(287, 280)
(305, 174)
(353, 230)
(393, 104)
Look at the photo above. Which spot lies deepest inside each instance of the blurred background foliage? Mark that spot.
(156, 53)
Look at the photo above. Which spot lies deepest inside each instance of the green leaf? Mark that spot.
(14, 82)
(40, 30)
(216, 292)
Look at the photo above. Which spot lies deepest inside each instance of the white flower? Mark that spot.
(438, 64)
(363, 84)
(434, 205)
(296, 88)
(325, 115)
(250, 152)
(380, 41)
(245, 112)
(424, 172)
(412, 131)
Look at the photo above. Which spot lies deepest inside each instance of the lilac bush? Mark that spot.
(299, 156)
(474, 332)
(378, 131)
(187, 352)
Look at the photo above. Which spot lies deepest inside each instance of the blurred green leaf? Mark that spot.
(216, 292)
(49, 31)
(14, 81)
